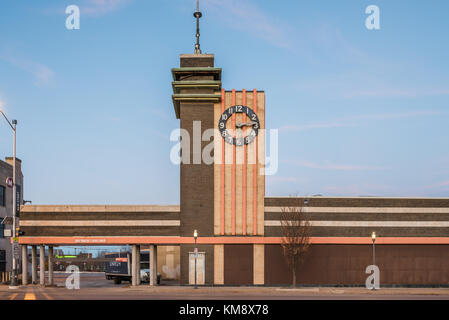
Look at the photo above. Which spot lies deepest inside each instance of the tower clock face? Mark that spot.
(238, 139)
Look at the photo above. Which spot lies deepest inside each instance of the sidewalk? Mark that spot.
(288, 290)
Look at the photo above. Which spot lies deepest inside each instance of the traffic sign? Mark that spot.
(16, 250)
(9, 182)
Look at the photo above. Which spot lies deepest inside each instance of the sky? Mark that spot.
(359, 112)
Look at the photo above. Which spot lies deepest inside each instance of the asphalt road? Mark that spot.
(94, 286)
(87, 280)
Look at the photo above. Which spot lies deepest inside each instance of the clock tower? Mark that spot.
(222, 199)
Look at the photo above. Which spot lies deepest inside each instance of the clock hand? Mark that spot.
(245, 124)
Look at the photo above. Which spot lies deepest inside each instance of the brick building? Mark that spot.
(239, 227)
(6, 207)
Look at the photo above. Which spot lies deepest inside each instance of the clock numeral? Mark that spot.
(224, 117)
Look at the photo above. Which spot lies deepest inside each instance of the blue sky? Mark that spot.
(359, 112)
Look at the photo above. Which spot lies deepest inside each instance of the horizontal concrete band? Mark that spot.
(100, 223)
(102, 231)
(99, 208)
(226, 240)
(33, 216)
(392, 224)
(353, 217)
(385, 210)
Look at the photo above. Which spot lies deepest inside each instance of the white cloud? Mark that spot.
(101, 7)
(440, 185)
(326, 165)
(244, 16)
(353, 121)
(278, 179)
(395, 93)
(43, 75)
(322, 125)
(360, 190)
(354, 84)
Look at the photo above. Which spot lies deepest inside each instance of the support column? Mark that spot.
(155, 265)
(133, 265)
(259, 264)
(152, 265)
(219, 264)
(33, 265)
(50, 266)
(42, 264)
(24, 264)
(138, 264)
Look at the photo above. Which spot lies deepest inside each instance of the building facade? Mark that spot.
(6, 208)
(239, 240)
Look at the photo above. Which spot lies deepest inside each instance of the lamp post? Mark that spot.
(195, 236)
(373, 237)
(13, 126)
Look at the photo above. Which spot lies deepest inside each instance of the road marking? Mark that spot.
(29, 296)
(45, 295)
(13, 296)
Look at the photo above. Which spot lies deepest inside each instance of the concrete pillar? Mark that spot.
(24, 264)
(42, 264)
(134, 265)
(138, 264)
(153, 265)
(33, 265)
(50, 265)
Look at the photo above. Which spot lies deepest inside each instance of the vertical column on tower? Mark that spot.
(196, 87)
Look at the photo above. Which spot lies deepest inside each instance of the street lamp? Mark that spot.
(373, 237)
(13, 126)
(195, 236)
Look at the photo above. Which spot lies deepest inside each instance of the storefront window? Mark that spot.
(2, 196)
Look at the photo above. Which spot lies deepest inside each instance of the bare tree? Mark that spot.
(296, 230)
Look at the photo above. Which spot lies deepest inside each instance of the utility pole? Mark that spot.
(195, 236)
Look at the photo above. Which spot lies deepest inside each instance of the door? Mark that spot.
(200, 268)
